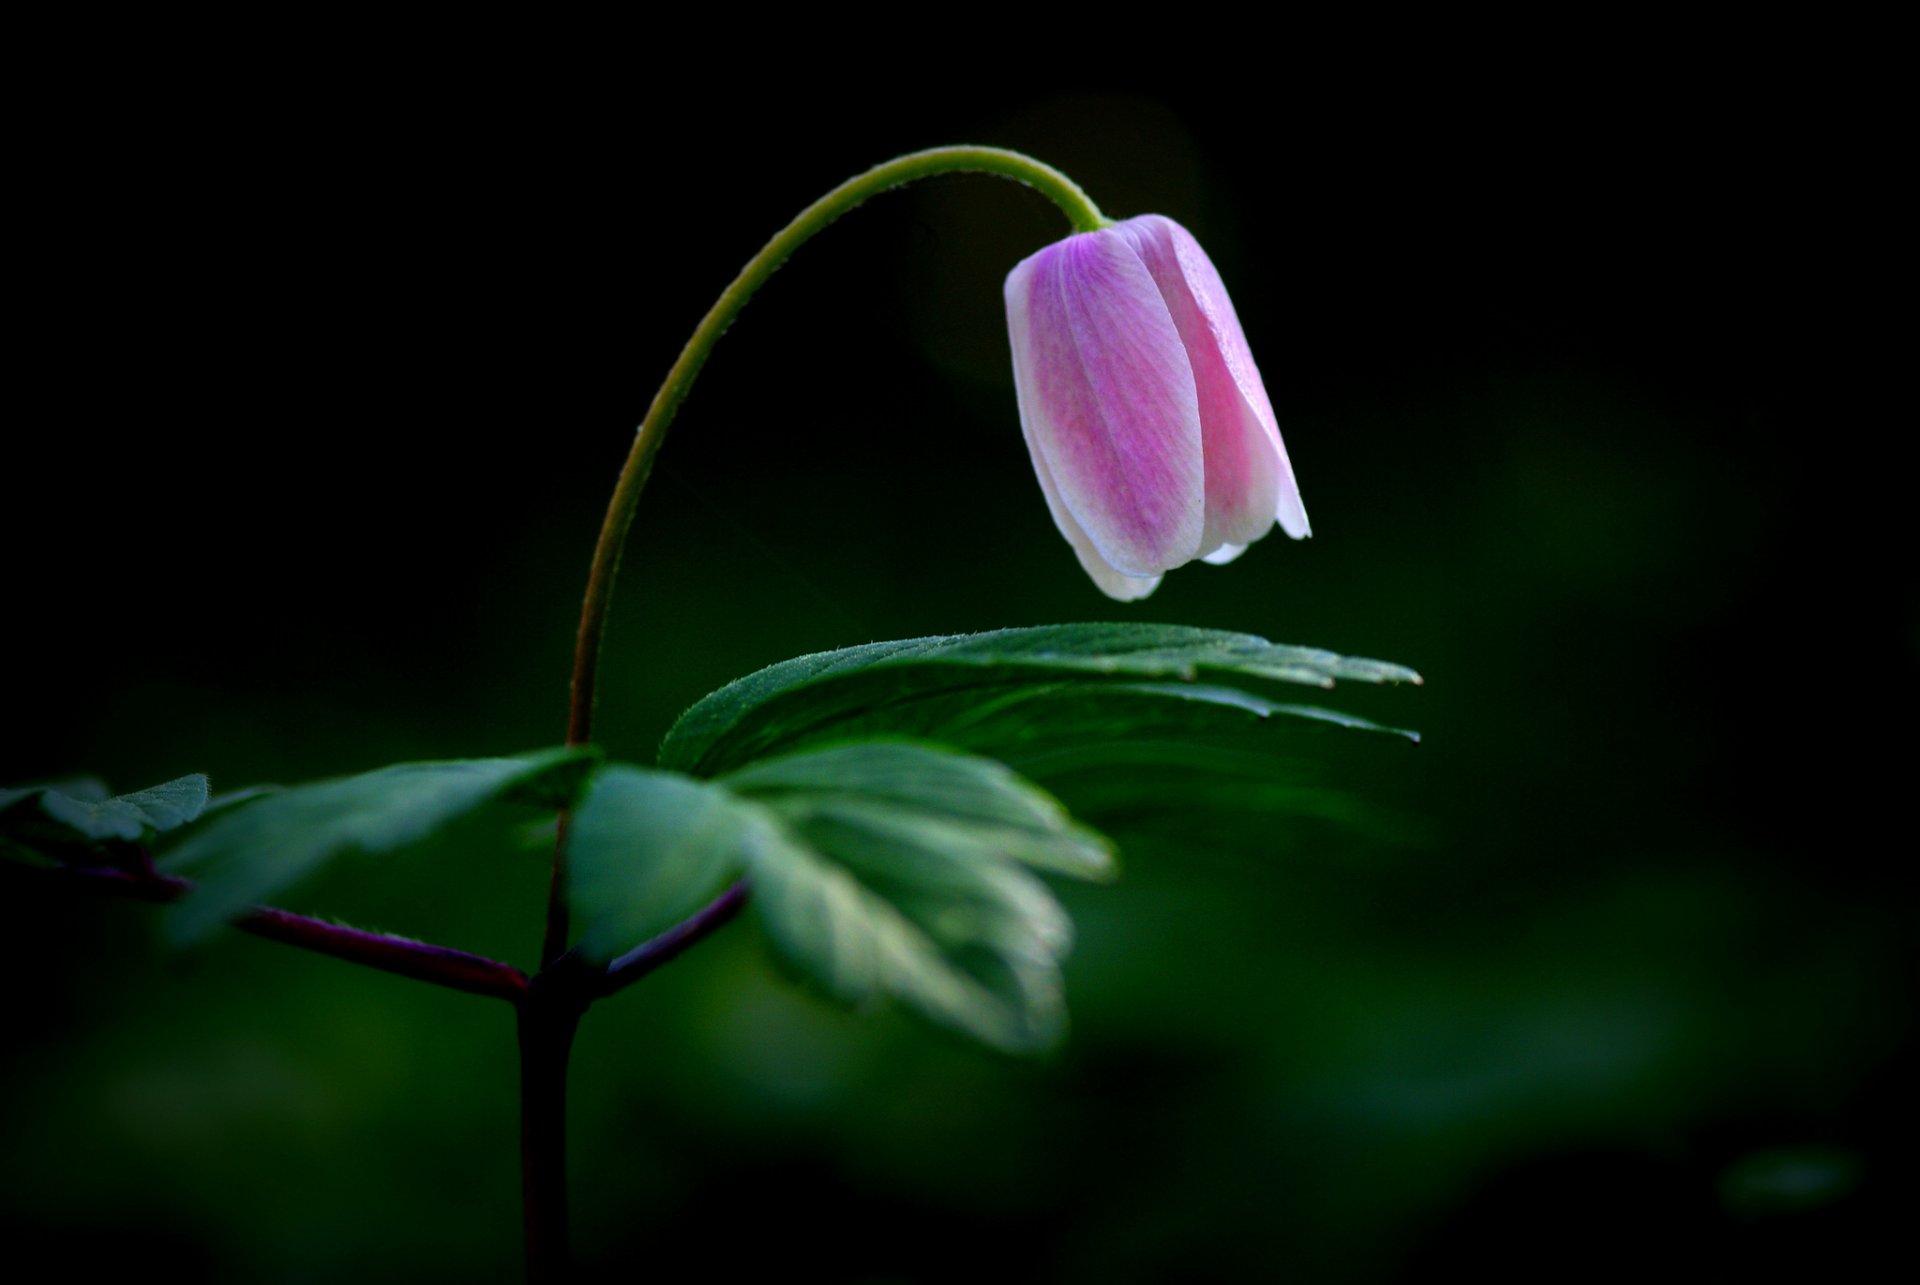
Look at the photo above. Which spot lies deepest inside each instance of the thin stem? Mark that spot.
(553, 939)
(669, 945)
(1051, 183)
(1081, 212)
(422, 961)
(454, 969)
(550, 1013)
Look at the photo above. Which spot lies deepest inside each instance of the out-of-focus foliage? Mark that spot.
(55, 822)
(273, 843)
(878, 869)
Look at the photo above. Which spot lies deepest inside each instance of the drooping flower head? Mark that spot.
(1148, 425)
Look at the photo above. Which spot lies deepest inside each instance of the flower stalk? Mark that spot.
(1081, 212)
(550, 1010)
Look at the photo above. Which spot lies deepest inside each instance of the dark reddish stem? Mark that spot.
(455, 969)
(669, 945)
(550, 1013)
(549, 1007)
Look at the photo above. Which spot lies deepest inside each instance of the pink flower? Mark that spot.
(1149, 428)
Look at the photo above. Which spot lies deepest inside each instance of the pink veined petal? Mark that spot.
(1249, 480)
(1114, 584)
(1107, 403)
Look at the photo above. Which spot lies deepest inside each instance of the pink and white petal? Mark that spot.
(1114, 584)
(1250, 481)
(1107, 401)
(1211, 294)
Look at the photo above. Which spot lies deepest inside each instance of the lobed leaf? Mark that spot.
(268, 842)
(54, 820)
(154, 810)
(910, 790)
(973, 945)
(946, 688)
(646, 849)
(880, 869)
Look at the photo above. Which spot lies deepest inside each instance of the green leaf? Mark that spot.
(923, 795)
(1033, 728)
(973, 945)
(256, 850)
(227, 800)
(1216, 802)
(155, 810)
(646, 849)
(951, 688)
(895, 869)
(880, 869)
(76, 815)
(88, 788)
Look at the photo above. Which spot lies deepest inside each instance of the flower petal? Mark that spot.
(1221, 556)
(1114, 584)
(1108, 404)
(1249, 480)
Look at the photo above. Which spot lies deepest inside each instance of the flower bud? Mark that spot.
(1149, 428)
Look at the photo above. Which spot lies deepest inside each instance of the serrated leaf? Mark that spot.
(1030, 727)
(880, 869)
(915, 687)
(88, 788)
(258, 849)
(974, 945)
(896, 869)
(646, 849)
(157, 809)
(918, 792)
(50, 820)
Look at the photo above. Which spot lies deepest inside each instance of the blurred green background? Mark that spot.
(333, 370)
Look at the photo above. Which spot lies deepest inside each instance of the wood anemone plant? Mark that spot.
(888, 810)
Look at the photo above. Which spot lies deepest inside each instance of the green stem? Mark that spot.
(1049, 182)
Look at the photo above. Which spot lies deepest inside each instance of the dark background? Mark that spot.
(329, 364)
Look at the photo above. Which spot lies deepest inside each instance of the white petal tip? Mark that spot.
(1128, 588)
(1226, 553)
(1116, 585)
(1292, 515)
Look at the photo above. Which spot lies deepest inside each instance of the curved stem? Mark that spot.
(1051, 183)
(1081, 212)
